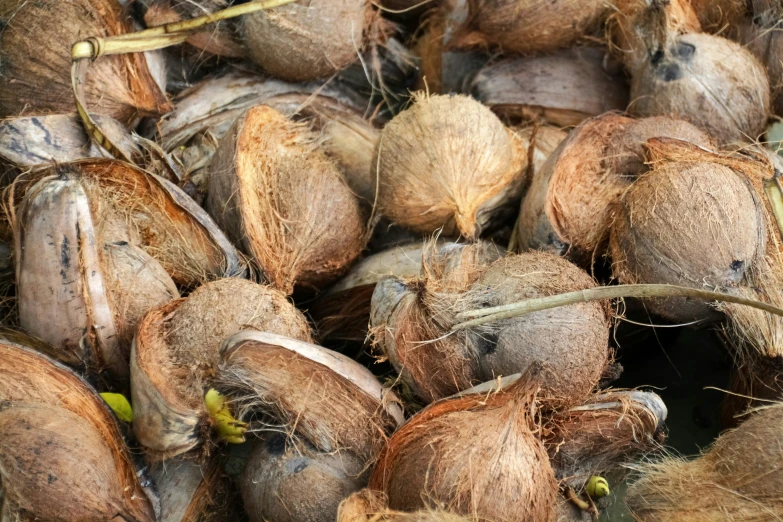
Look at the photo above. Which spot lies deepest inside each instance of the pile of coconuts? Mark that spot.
(343, 260)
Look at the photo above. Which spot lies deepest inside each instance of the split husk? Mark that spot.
(563, 88)
(331, 401)
(370, 506)
(36, 70)
(448, 163)
(177, 350)
(284, 201)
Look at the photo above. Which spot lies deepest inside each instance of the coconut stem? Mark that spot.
(488, 315)
(774, 191)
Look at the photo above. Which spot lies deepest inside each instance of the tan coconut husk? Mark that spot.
(86, 290)
(410, 320)
(284, 201)
(738, 478)
(448, 163)
(568, 207)
(456, 450)
(331, 401)
(14, 336)
(307, 40)
(177, 350)
(764, 38)
(367, 505)
(716, 15)
(564, 88)
(29, 377)
(36, 71)
(289, 482)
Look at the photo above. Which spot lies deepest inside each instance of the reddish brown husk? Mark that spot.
(716, 15)
(36, 61)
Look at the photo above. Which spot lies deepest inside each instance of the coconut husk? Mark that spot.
(36, 72)
(738, 478)
(410, 320)
(762, 37)
(716, 15)
(289, 482)
(177, 350)
(455, 450)
(448, 163)
(17, 337)
(284, 201)
(331, 401)
(564, 88)
(370, 506)
(568, 207)
(86, 290)
(29, 377)
(307, 40)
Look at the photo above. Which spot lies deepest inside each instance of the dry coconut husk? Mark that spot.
(331, 401)
(36, 71)
(86, 289)
(677, 71)
(370, 506)
(568, 207)
(716, 15)
(177, 350)
(308, 39)
(288, 482)
(455, 451)
(29, 377)
(763, 36)
(739, 478)
(564, 88)
(410, 320)
(448, 163)
(284, 201)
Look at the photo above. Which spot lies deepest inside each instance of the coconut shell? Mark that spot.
(563, 89)
(177, 350)
(370, 506)
(36, 71)
(307, 40)
(330, 400)
(286, 482)
(454, 451)
(284, 201)
(448, 163)
(738, 478)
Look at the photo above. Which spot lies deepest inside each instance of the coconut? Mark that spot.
(289, 482)
(568, 207)
(448, 163)
(564, 88)
(370, 506)
(36, 79)
(307, 39)
(86, 290)
(177, 350)
(454, 451)
(284, 201)
(331, 401)
(29, 377)
(738, 478)
(763, 38)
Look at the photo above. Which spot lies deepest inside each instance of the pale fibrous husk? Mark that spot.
(739, 478)
(454, 452)
(763, 37)
(410, 318)
(284, 201)
(29, 377)
(177, 350)
(289, 482)
(329, 400)
(568, 207)
(540, 141)
(86, 289)
(447, 163)
(367, 505)
(35, 75)
(563, 88)
(309, 39)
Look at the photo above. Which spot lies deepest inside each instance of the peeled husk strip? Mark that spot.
(36, 72)
(563, 88)
(568, 207)
(177, 350)
(370, 506)
(289, 482)
(29, 377)
(456, 450)
(738, 478)
(331, 401)
(448, 163)
(284, 201)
